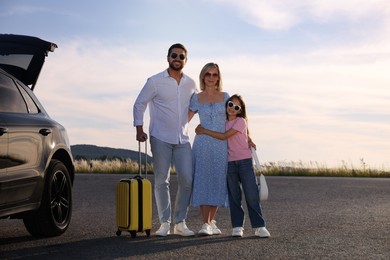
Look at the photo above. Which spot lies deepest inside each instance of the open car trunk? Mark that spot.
(23, 56)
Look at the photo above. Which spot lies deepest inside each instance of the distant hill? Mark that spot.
(88, 152)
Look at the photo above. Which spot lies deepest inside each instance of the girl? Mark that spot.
(240, 168)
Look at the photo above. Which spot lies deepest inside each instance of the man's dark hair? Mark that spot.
(177, 45)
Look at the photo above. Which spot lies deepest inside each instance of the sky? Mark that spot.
(313, 73)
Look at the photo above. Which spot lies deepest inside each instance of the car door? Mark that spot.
(23, 142)
(3, 146)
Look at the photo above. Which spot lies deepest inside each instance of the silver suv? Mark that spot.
(36, 164)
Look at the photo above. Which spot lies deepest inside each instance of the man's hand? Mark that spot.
(141, 135)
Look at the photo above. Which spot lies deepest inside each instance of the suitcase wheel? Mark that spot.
(133, 234)
(147, 232)
(118, 233)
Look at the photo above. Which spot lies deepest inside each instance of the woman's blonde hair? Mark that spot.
(203, 73)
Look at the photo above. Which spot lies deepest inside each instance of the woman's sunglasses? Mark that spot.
(236, 107)
(174, 56)
(208, 74)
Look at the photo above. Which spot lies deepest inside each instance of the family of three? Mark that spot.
(212, 172)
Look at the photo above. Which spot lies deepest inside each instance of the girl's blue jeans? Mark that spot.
(241, 174)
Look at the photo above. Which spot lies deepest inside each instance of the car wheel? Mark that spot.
(53, 216)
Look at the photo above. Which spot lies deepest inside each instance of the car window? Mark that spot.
(10, 98)
(17, 60)
(31, 106)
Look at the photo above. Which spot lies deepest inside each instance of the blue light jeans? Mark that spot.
(180, 155)
(241, 172)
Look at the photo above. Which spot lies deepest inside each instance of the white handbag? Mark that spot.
(263, 187)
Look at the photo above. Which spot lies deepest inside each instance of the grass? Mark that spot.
(109, 166)
(270, 168)
(314, 169)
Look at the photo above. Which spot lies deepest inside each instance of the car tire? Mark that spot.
(54, 214)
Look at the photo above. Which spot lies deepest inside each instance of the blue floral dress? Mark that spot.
(210, 156)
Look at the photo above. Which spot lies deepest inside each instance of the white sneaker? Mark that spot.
(206, 230)
(214, 228)
(182, 230)
(164, 229)
(238, 232)
(262, 232)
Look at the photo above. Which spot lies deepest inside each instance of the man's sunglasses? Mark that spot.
(174, 56)
(236, 107)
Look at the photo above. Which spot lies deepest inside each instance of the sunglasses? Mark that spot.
(236, 107)
(174, 56)
(208, 74)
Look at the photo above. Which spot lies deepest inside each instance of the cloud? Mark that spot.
(331, 103)
(311, 105)
(91, 88)
(283, 15)
(22, 10)
(323, 104)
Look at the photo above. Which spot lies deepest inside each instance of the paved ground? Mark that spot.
(308, 217)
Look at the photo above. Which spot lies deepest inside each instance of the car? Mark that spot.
(36, 163)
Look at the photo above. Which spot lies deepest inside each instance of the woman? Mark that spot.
(210, 154)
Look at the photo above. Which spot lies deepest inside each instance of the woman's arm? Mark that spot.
(221, 136)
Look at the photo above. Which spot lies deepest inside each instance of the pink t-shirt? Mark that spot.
(238, 148)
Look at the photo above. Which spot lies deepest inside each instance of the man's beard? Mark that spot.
(172, 66)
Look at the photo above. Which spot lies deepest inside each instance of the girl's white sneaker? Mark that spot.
(262, 232)
(238, 232)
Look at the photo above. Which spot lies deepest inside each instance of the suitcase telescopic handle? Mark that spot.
(140, 159)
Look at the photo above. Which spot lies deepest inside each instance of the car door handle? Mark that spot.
(45, 131)
(3, 131)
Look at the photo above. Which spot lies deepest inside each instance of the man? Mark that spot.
(168, 95)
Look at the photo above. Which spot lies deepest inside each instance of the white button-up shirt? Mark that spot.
(168, 106)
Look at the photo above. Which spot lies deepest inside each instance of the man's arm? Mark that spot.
(140, 105)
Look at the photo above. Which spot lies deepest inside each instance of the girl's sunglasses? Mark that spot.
(236, 107)
(174, 56)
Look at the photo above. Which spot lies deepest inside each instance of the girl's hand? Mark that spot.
(251, 144)
(199, 129)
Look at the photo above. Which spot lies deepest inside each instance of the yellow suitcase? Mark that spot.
(134, 203)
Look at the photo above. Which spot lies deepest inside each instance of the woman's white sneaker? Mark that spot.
(238, 232)
(206, 230)
(214, 228)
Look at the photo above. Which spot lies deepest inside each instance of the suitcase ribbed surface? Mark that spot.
(122, 205)
(147, 204)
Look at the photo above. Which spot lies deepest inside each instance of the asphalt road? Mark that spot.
(308, 218)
